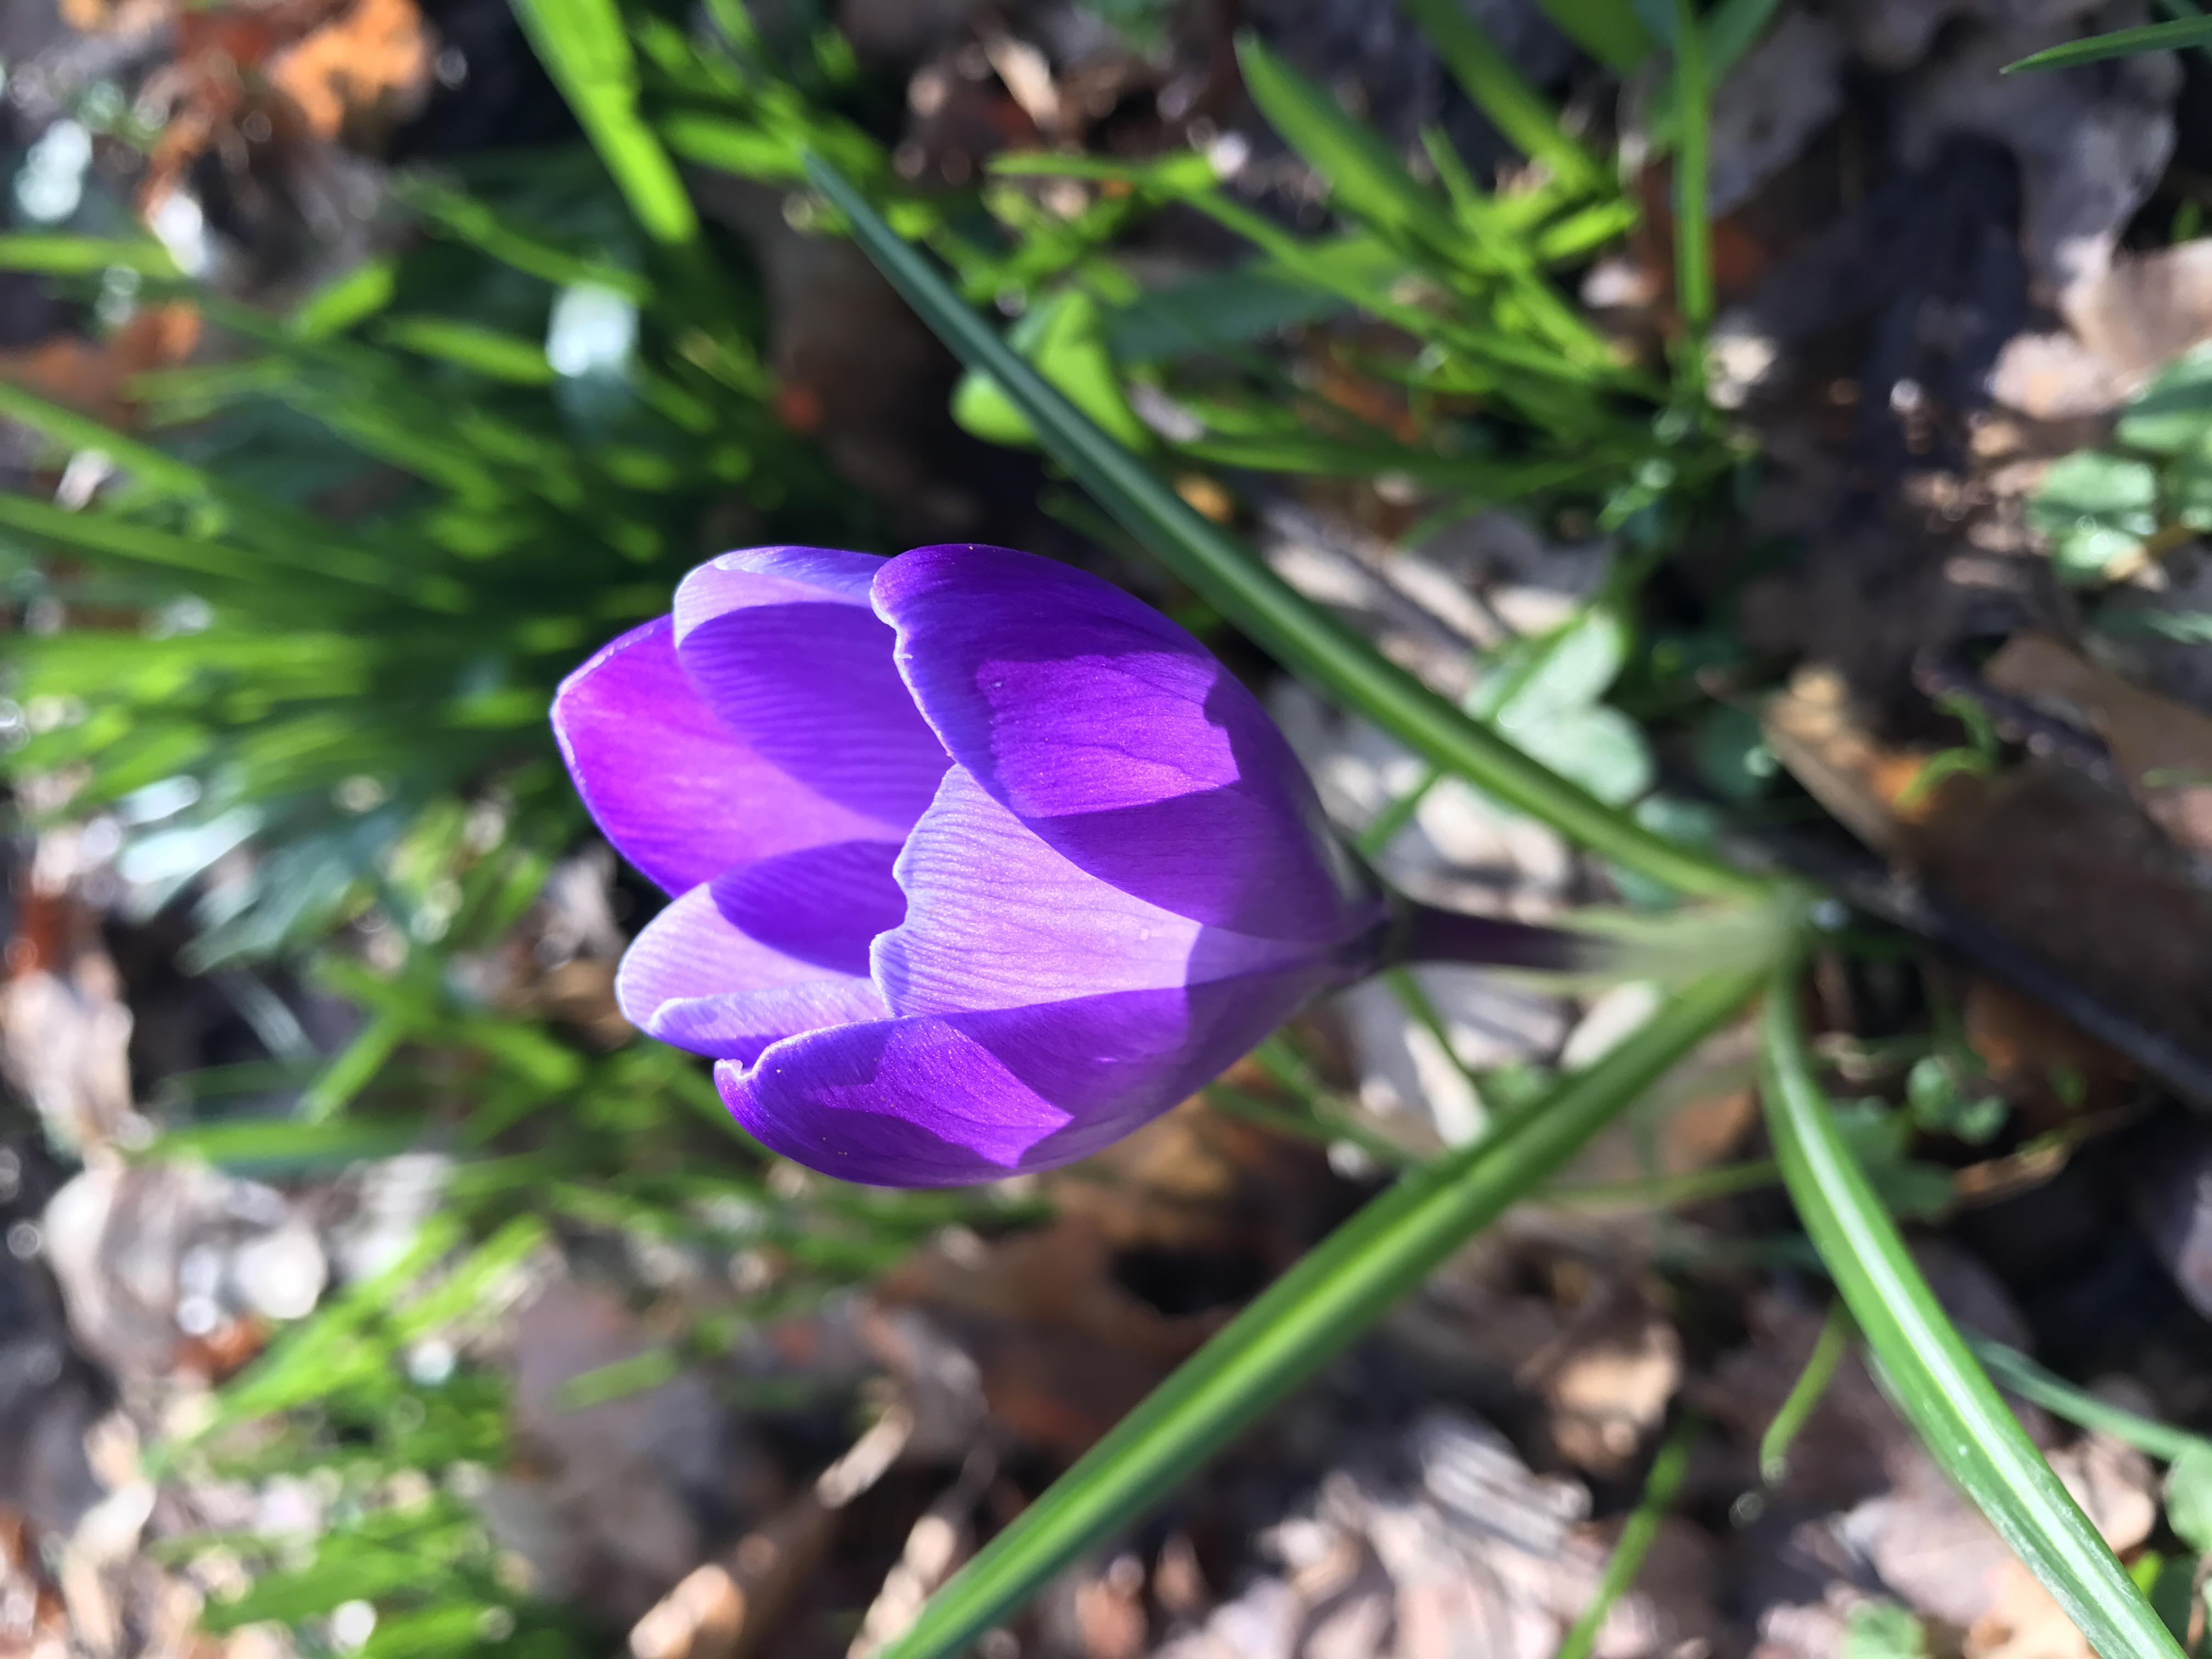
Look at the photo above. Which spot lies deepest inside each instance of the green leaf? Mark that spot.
(1062, 335)
(586, 48)
(1366, 180)
(1238, 306)
(1297, 632)
(143, 462)
(495, 356)
(48, 253)
(1608, 30)
(482, 228)
(2189, 1497)
(1883, 1629)
(1515, 108)
(2155, 37)
(1730, 29)
(266, 1145)
(1926, 1366)
(337, 305)
(1332, 1294)
(2016, 1373)
(2094, 506)
(2173, 413)
(1544, 696)
(105, 536)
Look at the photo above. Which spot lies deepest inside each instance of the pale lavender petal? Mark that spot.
(740, 1025)
(942, 1100)
(781, 644)
(694, 979)
(1120, 740)
(680, 795)
(997, 919)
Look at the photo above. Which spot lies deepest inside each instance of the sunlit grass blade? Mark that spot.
(1926, 1365)
(2153, 37)
(1312, 1311)
(585, 46)
(55, 253)
(1299, 633)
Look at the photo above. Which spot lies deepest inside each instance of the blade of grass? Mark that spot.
(1828, 1351)
(586, 48)
(1693, 231)
(1336, 1291)
(1637, 1536)
(2188, 11)
(1609, 30)
(2016, 1372)
(2153, 37)
(1516, 109)
(1926, 1365)
(54, 253)
(1297, 633)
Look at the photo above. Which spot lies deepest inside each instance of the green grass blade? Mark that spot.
(106, 536)
(1930, 1372)
(585, 46)
(1515, 107)
(1365, 179)
(1693, 230)
(55, 253)
(340, 303)
(1805, 1394)
(477, 224)
(2015, 1372)
(69, 426)
(488, 351)
(1731, 28)
(1608, 30)
(2153, 37)
(1299, 633)
(1636, 1538)
(1332, 1294)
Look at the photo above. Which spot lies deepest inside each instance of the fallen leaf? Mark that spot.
(2163, 749)
(95, 375)
(361, 73)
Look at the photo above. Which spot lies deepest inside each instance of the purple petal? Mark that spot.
(942, 1100)
(822, 904)
(782, 645)
(693, 979)
(997, 919)
(1119, 738)
(679, 795)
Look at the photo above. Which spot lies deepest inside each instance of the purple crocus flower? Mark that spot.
(978, 862)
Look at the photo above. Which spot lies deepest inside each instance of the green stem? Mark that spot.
(1693, 243)
(1828, 1351)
